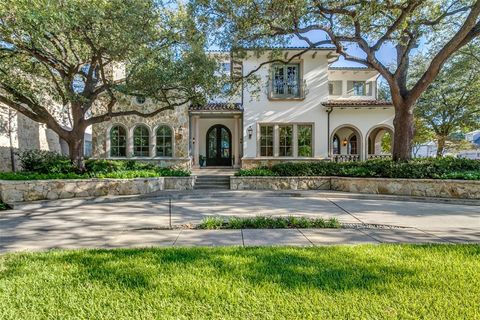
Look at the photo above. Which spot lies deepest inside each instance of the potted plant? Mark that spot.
(202, 160)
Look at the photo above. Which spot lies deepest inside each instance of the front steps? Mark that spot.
(217, 182)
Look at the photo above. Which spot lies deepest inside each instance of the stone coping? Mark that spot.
(436, 188)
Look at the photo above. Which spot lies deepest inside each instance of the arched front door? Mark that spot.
(219, 146)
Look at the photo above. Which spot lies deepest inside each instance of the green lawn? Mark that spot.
(340, 282)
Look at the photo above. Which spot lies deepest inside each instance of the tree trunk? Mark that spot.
(75, 146)
(440, 146)
(403, 135)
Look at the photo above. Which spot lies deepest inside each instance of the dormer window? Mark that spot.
(285, 81)
(359, 88)
(335, 88)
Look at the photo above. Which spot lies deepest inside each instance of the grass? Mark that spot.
(266, 222)
(338, 282)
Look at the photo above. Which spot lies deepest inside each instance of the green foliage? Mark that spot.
(102, 169)
(330, 282)
(42, 161)
(451, 103)
(255, 172)
(268, 222)
(3, 206)
(427, 168)
(63, 58)
(212, 222)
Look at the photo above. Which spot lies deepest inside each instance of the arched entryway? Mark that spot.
(345, 144)
(379, 142)
(219, 146)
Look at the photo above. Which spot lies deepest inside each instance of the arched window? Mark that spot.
(164, 141)
(336, 145)
(141, 141)
(352, 144)
(118, 141)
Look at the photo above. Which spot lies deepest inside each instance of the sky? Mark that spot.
(386, 54)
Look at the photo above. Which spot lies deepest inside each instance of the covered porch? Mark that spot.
(216, 135)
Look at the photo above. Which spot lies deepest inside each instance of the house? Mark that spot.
(19, 133)
(304, 110)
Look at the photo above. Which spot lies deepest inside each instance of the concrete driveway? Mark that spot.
(133, 221)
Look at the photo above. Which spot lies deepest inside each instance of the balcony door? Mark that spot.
(219, 146)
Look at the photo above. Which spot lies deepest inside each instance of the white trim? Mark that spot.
(154, 140)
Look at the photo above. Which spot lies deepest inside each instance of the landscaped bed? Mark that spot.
(429, 168)
(339, 282)
(46, 165)
(267, 222)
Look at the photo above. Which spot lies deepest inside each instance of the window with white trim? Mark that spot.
(141, 137)
(304, 140)
(164, 146)
(118, 141)
(266, 141)
(285, 81)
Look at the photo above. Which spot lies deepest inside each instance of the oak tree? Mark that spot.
(368, 26)
(59, 61)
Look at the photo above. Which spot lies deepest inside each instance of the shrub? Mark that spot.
(211, 223)
(267, 222)
(432, 168)
(42, 161)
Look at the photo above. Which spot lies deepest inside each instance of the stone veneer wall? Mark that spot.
(26, 134)
(280, 183)
(33, 190)
(174, 118)
(252, 163)
(459, 189)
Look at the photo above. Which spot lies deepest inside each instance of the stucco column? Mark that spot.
(196, 145)
(236, 142)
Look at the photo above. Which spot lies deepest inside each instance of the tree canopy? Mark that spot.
(452, 102)
(365, 25)
(59, 58)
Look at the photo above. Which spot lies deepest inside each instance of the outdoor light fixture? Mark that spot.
(180, 132)
(250, 132)
(344, 142)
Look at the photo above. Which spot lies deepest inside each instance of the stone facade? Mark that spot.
(175, 119)
(280, 183)
(457, 189)
(33, 190)
(18, 133)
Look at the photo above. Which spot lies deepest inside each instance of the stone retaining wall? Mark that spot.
(280, 183)
(33, 190)
(458, 189)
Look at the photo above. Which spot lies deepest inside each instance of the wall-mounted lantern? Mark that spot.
(344, 142)
(250, 132)
(180, 131)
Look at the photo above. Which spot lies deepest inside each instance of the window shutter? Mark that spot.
(350, 88)
(369, 88)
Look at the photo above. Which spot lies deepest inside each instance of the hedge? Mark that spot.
(428, 168)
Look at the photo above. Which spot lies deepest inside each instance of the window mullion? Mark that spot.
(276, 141)
(295, 141)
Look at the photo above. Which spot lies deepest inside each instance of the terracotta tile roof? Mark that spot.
(217, 106)
(357, 103)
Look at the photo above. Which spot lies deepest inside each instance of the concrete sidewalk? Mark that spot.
(137, 222)
(245, 237)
